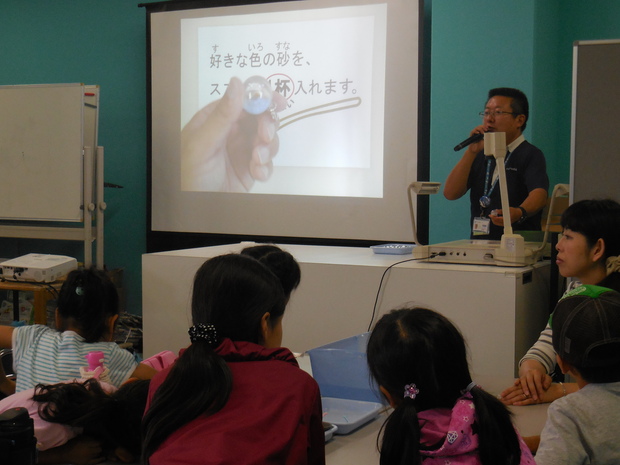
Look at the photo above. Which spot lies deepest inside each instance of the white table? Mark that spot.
(360, 447)
(500, 310)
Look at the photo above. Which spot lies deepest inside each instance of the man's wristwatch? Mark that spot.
(523, 215)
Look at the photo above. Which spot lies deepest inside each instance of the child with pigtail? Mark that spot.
(419, 360)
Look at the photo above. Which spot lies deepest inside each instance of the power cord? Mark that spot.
(374, 308)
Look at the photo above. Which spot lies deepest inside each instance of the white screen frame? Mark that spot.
(303, 216)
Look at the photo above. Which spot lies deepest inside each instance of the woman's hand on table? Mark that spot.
(531, 386)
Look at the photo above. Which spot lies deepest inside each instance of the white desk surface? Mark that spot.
(332, 255)
(344, 290)
(360, 446)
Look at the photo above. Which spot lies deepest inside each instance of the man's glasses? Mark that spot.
(495, 113)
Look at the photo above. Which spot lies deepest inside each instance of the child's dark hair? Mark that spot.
(417, 345)
(113, 418)
(595, 219)
(280, 262)
(231, 293)
(86, 301)
(606, 374)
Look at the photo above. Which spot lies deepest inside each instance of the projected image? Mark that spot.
(277, 105)
(284, 119)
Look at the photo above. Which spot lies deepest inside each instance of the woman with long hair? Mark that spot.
(234, 395)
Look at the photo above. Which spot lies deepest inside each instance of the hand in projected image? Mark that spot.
(224, 148)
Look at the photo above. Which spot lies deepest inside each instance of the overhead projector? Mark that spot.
(40, 268)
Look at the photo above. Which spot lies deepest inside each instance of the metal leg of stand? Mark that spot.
(15, 305)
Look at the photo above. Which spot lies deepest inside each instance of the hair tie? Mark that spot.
(202, 332)
(469, 387)
(411, 391)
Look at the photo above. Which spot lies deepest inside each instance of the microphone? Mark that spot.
(470, 140)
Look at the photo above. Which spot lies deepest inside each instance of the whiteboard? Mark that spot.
(595, 163)
(42, 130)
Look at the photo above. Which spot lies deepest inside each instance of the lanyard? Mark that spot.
(487, 191)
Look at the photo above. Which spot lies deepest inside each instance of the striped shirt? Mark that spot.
(44, 355)
(542, 351)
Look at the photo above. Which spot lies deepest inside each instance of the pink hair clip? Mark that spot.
(411, 391)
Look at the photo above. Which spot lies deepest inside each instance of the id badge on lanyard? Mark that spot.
(481, 226)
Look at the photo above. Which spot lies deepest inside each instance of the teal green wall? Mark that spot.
(475, 45)
(94, 42)
(528, 44)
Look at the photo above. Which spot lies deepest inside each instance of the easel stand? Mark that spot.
(91, 230)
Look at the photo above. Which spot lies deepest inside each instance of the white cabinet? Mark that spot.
(500, 310)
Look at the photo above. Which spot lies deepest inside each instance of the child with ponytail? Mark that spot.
(234, 395)
(85, 318)
(419, 361)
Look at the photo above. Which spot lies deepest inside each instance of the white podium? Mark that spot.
(500, 311)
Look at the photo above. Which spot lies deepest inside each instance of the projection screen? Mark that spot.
(330, 145)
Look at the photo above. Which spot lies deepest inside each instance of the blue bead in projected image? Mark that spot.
(257, 95)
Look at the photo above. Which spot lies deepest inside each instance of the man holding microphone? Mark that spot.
(506, 110)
